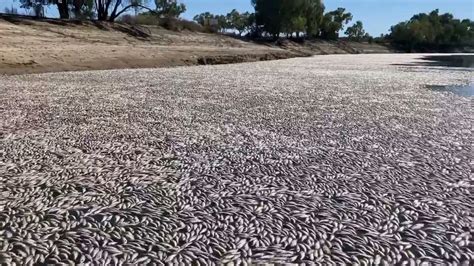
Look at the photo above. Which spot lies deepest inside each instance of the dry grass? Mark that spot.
(38, 46)
(31, 46)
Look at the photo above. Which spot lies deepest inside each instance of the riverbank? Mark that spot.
(37, 46)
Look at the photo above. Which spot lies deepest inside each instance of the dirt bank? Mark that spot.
(36, 46)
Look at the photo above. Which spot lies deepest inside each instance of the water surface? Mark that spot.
(464, 60)
(452, 61)
(461, 90)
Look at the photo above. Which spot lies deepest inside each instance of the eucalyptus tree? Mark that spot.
(284, 16)
(66, 8)
(239, 22)
(269, 15)
(38, 6)
(314, 13)
(333, 22)
(433, 31)
(169, 8)
(356, 32)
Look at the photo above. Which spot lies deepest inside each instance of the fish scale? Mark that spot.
(333, 159)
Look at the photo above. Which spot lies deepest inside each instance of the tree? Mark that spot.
(298, 25)
(103, 8)
(38, 7)
(169, 8)
(235, 21)
(203, 17)
(222, 23)
(425, 32)
(212, 22)
(283, 16)
(356, 32)
(293, 17)
(334, 22)
(240, 22)
(313, 13)
(80, 8)
(83, 9)
(290, 17)
(269, 14)
(252, 27)
(11, 11)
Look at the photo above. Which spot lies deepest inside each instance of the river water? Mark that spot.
(452, 61)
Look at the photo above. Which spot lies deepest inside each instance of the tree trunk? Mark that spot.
(63, 9)
(39, 11)
(78, 4)
(101, 13)
(101, 10)
(114, 15)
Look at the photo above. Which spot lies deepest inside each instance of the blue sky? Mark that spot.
(377, 15)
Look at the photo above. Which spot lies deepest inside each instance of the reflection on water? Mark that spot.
(461, 90)
(450, 60)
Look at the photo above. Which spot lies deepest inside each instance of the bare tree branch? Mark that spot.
(113, 17)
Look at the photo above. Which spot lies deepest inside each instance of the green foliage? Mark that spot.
(211, 22)
(283, 16)
(37, 6)
(239, 22)
(313, 12)
(423, 32)
(170, 8)
(334, 22)
(112, 9)
(276, 17)
(433, 32)
(356, 32)
(80, 9)
(83, 9)
(105, 9)
(293, 14)
(269, 15)
(169, 23)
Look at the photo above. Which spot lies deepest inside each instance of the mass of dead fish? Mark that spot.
(327, 160)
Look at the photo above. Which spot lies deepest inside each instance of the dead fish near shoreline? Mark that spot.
(347, 160)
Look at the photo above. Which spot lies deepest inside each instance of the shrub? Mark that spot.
(169, 23)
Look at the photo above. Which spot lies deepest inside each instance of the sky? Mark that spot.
(377, 15)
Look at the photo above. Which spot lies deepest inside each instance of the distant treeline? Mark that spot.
(299, 19)
(433, 32)
(308, 19)
(277, 18)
